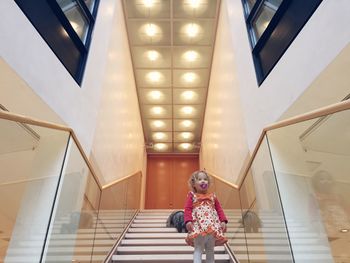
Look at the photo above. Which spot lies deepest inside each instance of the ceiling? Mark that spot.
(171, 43)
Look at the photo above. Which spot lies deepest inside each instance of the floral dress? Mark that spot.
(205, 218)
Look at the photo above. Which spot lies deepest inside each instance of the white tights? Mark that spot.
(204, 242)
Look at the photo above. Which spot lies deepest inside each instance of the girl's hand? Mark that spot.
(224, 227)
(189, 226)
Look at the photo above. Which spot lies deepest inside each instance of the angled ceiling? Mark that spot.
(172, 43)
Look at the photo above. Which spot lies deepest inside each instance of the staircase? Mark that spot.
(149, 240)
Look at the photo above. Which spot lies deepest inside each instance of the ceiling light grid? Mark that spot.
(171, 44)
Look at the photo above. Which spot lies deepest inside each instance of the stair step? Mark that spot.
(281, 249)
(57, 259)
(150, 242)
(155, 235)
(149, 221)
(152, 230)
(161, 249)
(317, 258)
(134, 225)
(165, 258)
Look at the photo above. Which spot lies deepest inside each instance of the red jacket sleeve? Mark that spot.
(220, 211)
(188, 208)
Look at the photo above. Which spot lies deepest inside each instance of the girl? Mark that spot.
(204, 218)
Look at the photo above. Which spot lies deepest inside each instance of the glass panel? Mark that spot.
(90, 4)
(72, 234)
(263, 18)
(75, 16)
(112, 212)
(230, 202)
(263, 236)
(31, 160)
(119, 203)
(250, 4)
(312, 163)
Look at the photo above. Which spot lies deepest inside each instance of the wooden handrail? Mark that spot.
(21, 118)
(337, 107)
(120, 180)
(222, 180)
(86, 159)
(24, 119)
(334, 108)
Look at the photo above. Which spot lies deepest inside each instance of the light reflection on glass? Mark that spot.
(262, 20)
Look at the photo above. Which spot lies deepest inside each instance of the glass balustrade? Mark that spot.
(230, 202)
(31, 159)
(52, 209)
(263, 236)
(74, 230)
(292, 206)
(119, 203)
(312, 163)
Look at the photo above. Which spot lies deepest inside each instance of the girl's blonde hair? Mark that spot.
(194, 177)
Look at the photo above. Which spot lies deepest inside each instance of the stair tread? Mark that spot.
(153, 241)
(161, 248)
(168, 257)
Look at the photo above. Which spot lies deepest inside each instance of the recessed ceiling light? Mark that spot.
(158, 124)
(187, 110)
(189, 76)
(154, 76)
(192, 30)
(157, 110)
(187, 123)
(185, 146)
(155, 95)
(159, 136)
(186, 135)
(190, 55)
(151, 30)
(149, 3)
(160, 146)
(194, 3)
(152, 55)
(188, 95)
(344, 230)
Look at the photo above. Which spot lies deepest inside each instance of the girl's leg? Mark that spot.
(209, 249)
(198, 249)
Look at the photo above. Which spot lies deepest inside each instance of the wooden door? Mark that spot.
(166, 183)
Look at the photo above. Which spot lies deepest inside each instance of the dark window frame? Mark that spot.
(72, 52)
(274, 41)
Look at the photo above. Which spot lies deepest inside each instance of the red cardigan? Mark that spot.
(189, 207)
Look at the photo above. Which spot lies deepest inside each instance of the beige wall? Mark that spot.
(224, 143)
(118, 146)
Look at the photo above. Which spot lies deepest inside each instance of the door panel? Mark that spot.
(183, 168)
(158, 184)
(166, 183)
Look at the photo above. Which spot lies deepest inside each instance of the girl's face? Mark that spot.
(201, 183)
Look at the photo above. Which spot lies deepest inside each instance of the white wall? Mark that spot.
(319, 42)
(224, 143)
